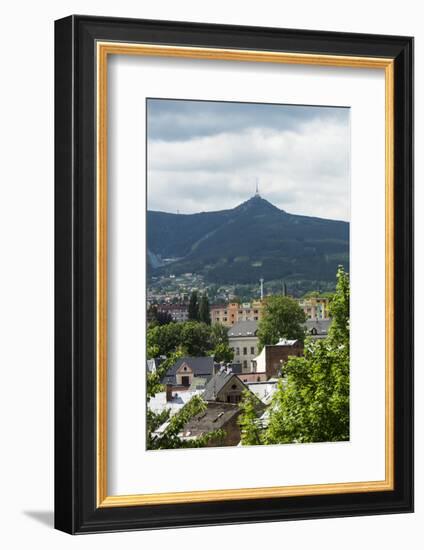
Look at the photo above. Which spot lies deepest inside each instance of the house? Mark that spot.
(217, 416)
(271, 358)
(243, 343)
(317, 328)
(224, 387)
(185, 369)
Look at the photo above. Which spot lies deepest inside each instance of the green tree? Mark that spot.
(311, 403)
(156, 317)
(340, 309)
(222, 352)
(163, 339)
(191, 337)
(193, 307)
(251, 430)
(204, 310)
(219, 334)
(195, 339)
(283, 318)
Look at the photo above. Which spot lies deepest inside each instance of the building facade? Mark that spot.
(243, 343)
(315, 307)
(233, 313)
(178, 313)
(272, 358)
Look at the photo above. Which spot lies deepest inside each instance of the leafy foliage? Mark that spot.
(193, 307)
(251, 431)
(311, 403)
(222, 353)
(204, 310)
(283, 318)
(156, 317)
(190, 338)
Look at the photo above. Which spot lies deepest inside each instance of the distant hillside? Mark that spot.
(253, 240)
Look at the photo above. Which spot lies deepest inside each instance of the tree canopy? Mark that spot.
(312, 400)
(191, 338)
(193, 307)
(311, 403)
(204, 310)
(283, 318)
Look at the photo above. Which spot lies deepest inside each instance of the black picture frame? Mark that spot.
(76, 508)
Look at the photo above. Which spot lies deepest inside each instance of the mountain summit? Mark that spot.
(255, 239)
(257, 204)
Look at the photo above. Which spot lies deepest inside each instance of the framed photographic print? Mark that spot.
(234, 274)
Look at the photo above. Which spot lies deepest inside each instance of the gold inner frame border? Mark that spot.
(103, 50)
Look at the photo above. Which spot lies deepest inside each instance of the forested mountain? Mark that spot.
(255, 239)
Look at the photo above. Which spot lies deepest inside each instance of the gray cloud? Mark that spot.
(206, 156)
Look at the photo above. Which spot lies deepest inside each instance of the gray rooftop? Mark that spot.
(321, 326)
(216, 383)
(201, 366)
(215, 417)
(243, 328)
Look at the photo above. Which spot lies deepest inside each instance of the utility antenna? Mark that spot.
(257, 187)
(262, 288)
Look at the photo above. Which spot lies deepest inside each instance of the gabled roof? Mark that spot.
(217, 382)
(243, 328)
(201, 366)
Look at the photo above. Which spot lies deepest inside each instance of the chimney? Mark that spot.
(168, 389)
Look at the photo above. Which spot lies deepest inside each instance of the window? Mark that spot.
(255, 318)
(225, 318)
(233, 398)
(238, 351)
(185, 380)
(244, 351)
(232, 349)
(252, 350)
(245, 364)
(255, 311)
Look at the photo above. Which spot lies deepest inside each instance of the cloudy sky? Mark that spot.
(204, 156)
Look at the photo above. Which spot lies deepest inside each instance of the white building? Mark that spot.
(244, 343)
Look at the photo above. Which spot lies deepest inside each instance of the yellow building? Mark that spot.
(315, 307)
(234, 312)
